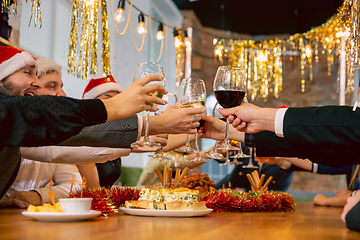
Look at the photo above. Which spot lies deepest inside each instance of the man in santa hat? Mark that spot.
(35, 121)
(12, 84)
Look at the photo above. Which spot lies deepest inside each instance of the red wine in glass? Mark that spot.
(229, 98)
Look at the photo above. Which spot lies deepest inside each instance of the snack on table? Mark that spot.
(47, 207)
(200, 182)
(167, 199)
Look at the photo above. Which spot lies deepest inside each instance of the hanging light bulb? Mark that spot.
(160, 32)
(186, 39)
(119, 14)
(177, 40)
(141, 26)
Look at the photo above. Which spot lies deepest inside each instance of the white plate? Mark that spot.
(61, 217)
(165, 213)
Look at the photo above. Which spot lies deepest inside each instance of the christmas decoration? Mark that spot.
(232, 201)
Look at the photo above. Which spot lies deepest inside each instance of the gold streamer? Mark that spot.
(105, 39)
(82, 57)
(36, 12)
(94, 37)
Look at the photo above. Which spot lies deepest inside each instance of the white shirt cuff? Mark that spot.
(140, 126)
(315, 168)
(279, 121)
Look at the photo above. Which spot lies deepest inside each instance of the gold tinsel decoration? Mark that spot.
(36, 12)
(6, 6)
(105, 39)
(265, 76)
(180, 59)
(84, 34)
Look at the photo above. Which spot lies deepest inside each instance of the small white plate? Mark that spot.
(61, 217)
(165, 213)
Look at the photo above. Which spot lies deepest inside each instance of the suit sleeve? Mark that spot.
(325, 128)
(269, 145)
(45, 120)
(118, 133)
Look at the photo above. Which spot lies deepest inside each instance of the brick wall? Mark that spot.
(322, 90)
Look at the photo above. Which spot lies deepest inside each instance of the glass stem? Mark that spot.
(196, 142)
(161, 153)
(215, 147)
(251, 156)
(146, 138)
(187, 144)
(226, 131)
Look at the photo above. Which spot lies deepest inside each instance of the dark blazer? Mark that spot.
(326, 135)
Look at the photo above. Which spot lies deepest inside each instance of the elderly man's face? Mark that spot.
(52, 85)
(23, 82)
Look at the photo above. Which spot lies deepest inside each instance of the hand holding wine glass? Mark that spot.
(229, 88)
(192, 94)
(143, 70)
(171, 99)
(135, 98)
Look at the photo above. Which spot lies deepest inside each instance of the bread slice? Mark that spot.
(145, 205)
(180, 205)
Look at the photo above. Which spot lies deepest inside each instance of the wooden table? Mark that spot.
(307, 222)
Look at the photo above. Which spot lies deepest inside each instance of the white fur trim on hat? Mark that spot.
(15, 63)
(45, 65)
(103, 88)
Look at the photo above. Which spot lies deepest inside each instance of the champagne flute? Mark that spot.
(229, 88)
(192, 93)
(214, 154)
(171, 99)
(143, 70)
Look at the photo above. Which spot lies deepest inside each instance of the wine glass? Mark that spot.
(171, 99)
(192, 93)
(229, 88)
(143, 70)
(213, 153)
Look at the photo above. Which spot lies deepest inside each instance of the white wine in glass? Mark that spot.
(143, 70)
(192, 94)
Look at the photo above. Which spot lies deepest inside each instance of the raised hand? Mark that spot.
(250, 118)
(176, 121)
(135, 98)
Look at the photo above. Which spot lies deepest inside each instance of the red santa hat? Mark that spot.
(99, 86)
(45, 65)
(12, 60)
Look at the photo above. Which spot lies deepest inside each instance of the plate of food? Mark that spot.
(165, 213)
(66, 210)
(162, 202)
(61, 216)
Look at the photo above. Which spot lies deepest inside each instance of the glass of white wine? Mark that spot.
(192, 93)
(143, 70)
(171, 99)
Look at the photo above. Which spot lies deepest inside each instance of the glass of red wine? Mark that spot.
(192, 93)
(229, 88)
(143, 70)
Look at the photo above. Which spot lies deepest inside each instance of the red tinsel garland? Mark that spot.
(231, 201)
(109, 200)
